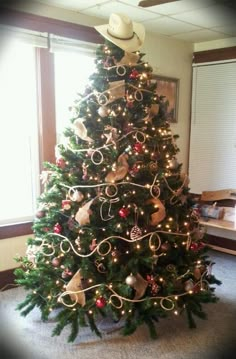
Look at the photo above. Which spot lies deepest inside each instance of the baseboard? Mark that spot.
(7, 279)
(224, 250)
(222, 242)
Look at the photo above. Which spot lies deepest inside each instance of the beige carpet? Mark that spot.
(215, 338)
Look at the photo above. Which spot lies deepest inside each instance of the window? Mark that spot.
(28, 94)
(72, 71)
(212, 164)
(19, 183)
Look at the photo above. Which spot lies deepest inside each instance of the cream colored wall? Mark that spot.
(10, 248)
(166, 56)
(215, 44)
(174, 58)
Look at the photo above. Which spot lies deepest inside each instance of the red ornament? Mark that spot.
(138, 147)
(196, 246)
(197, 288)
(40, 214)
(101, 302)
(129, 104)
(60, 162)
(56, 262)
(134, 170)
(134, 74)
(66, 273)
(66, 204)
(154, 286)
(57, 228)
(124, 212)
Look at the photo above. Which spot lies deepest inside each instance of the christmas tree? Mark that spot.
(115, 233)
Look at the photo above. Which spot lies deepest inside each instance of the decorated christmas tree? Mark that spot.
(115, 233)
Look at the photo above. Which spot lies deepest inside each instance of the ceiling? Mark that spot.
(189, 20)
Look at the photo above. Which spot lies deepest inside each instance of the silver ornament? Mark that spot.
(188, 285)
(77, 196)
(103, 111)
(130, 280)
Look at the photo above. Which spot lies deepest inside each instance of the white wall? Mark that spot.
(167, 57)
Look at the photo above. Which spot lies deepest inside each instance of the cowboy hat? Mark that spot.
(124, 33)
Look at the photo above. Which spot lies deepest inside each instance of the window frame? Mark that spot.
(46, 111)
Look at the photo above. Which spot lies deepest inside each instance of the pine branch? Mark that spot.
(151, 326)
(130, 327)
(74, 329)
(191, 321)
(93, 326)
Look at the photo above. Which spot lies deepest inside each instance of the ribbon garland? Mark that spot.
(169, 298)
(152, 236)
(110, 201)
(152, 188)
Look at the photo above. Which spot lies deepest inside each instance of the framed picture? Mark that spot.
(168, 87)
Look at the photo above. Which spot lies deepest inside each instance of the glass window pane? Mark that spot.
(19, 182)
(72, 71)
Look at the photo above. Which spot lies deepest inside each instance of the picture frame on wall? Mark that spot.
(168, 87)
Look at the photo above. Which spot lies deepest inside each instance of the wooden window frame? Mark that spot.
(45, 87)
(222, 54)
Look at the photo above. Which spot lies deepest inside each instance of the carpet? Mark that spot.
(215, 338)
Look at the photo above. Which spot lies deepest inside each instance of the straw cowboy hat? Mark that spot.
(124, 33)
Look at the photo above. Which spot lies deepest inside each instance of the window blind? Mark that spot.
(212, 158)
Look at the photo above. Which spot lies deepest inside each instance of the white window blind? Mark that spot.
(212, 161)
